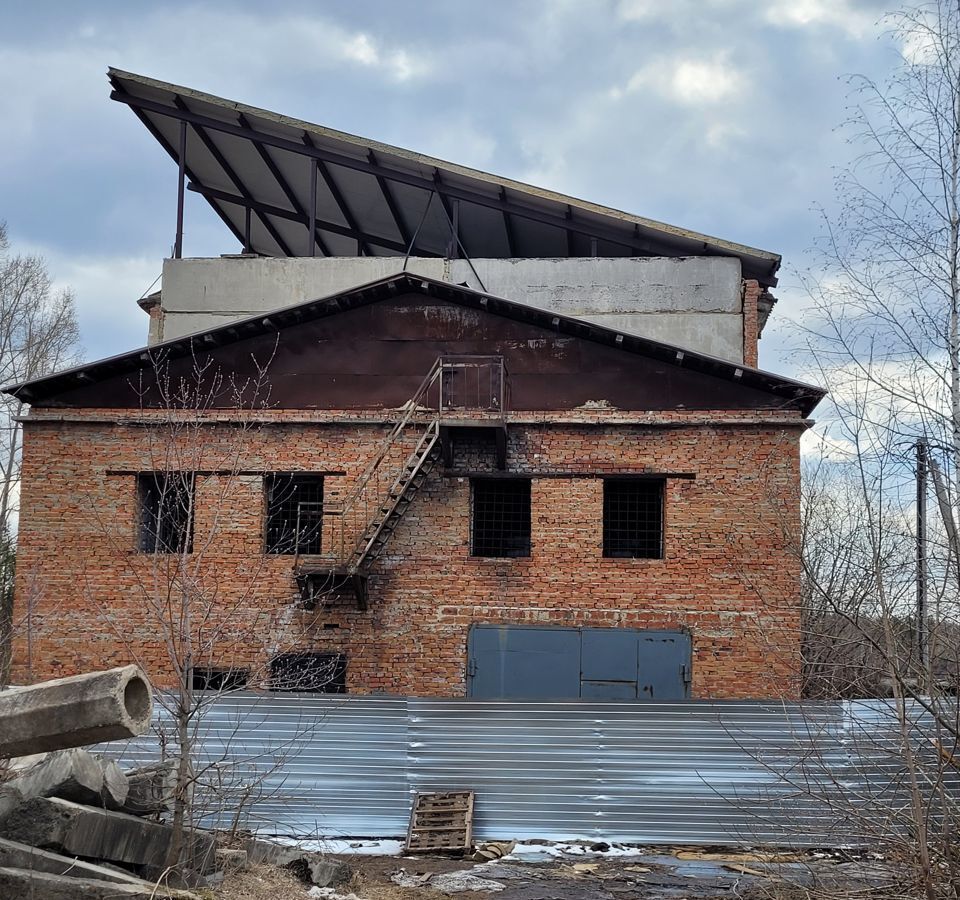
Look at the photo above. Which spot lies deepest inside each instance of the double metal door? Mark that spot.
(521, 662)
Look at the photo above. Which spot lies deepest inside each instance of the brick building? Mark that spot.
(413, 485)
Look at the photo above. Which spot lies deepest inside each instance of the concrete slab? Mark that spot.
(686, 301)
(66, 827)
(150, 789)
(10, 799)
(69, 774)
(16, 882)
(609, 285)
(15, 855)
(115, 789)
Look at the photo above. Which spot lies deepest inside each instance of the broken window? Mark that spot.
(165, 502)
(633, 517)
(324, 673)
(294, 513)
(207, 679)
(501, 517)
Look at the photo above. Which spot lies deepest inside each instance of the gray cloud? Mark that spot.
(717, 115)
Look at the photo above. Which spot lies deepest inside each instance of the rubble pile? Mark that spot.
(75, 826)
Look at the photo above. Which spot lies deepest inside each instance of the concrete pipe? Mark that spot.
(74, 712)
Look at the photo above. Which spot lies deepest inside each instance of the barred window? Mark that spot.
(633, 517)
(214, 679)
(501, 517)
(324, 673)
(165, 512)
(294, 513)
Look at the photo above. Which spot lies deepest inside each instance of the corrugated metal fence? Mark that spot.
(695, 772)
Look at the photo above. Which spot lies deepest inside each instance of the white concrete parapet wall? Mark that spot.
(693, 302)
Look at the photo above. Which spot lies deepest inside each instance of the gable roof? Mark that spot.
(787, 391)
(376, 199)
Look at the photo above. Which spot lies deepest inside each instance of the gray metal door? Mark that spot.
(608, 663)
(663, 670)
(510, 661)
(522, 662)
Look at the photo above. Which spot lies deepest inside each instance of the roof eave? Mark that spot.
(804, 396)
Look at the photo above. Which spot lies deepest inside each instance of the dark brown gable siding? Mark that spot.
(375, 357)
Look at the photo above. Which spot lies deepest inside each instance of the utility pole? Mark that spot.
(921, 448)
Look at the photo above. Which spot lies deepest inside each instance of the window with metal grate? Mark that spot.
(501, 517)
(633, 517)
(324, 673)
(213, 679)
(294, 513)
(165, 512)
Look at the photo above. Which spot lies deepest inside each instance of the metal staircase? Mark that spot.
(361, 525)
(399, 497)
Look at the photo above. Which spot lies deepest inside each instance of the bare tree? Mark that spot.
(886, 313)
(38, 335)
(209, 627)
(883, 336)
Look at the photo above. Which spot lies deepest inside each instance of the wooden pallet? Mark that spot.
(441, 823)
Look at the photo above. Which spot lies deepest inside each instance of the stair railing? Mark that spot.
(372, 489)
(415, 461)
(356, 509)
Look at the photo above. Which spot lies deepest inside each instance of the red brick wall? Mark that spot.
(751, 294)
(729, 577)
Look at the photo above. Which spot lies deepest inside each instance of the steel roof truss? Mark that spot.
(362, 247)
(304, 219)
(228, 170)
(391, 203)
(283, 184)
(172, 153)
(363, 165)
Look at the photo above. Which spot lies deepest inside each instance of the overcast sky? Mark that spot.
(716, 115)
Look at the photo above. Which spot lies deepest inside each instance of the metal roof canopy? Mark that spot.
(286, 187)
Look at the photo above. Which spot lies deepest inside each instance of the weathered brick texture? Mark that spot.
(86, 598)
(751, 337)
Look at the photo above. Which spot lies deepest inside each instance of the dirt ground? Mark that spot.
(650, 874)
(371, 882)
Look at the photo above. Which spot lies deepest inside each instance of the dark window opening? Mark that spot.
(165, 503)
(633, 518)
(219, 679)
(294, 513)
(324, 673)
(501, 517)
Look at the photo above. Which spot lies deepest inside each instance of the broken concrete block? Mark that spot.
(25, 883)
(313, 868)
(73, 712)
(270, 853)
(21, 856)
(114, 790)
(17, 765)
(71, 775)
(151, 788)
(10, 799)
(66, 827)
